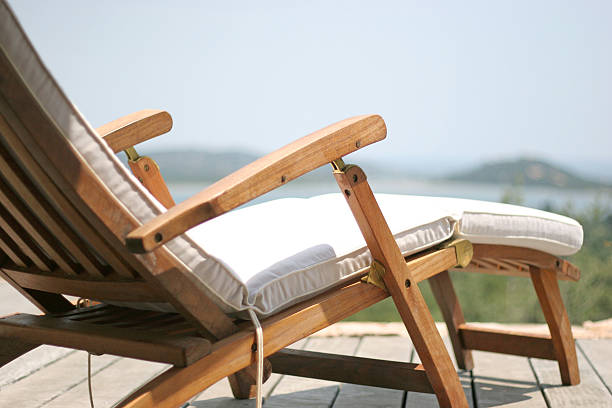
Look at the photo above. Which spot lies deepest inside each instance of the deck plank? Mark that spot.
(43, 386)
(219, 395)
(110, 384)
(599, 354)
(30, 363)
(419, 399)
(591, 392)
(307, 392)
(386, 348)
(503, 380)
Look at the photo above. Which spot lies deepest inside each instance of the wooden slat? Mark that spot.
(51, 219)
(547, 289)
(233, 353)
(12, 250)
(403, 288)
(126, 291)
(37, 231)
(179, 351)
(444, 293)
(40, 175)
(18, 235)
(349, 369)
(45, 301)
(564, 269)
(102, 216)
(507, 342)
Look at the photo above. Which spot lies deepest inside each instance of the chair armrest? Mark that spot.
(137, 127)
(259, 177)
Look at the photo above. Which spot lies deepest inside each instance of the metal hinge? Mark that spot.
(375, 275)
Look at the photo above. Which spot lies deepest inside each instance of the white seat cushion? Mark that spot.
(286, 250)
(274, 254)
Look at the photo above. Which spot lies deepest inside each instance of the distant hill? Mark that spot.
(528, 172)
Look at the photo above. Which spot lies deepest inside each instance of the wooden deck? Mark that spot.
(55, 377)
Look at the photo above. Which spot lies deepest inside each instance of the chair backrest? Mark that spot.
(62, 229)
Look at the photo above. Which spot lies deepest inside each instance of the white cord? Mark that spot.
(260, 356)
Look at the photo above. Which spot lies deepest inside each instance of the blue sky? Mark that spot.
(456, 82)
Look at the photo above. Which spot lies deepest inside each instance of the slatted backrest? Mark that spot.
(61, 228)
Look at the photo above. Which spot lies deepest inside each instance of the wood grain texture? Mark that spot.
(111, 290)
(13, 135)
(505, 381)
(310, 392)
(234, 353)
(402, 287)
(488, 254)
(56, 167)
(507, 342)
(48, 215)
(591, 392)
(444, 293)
(147, 172)
(599, 354)
(547, 289)
(135, 128)
(349, 369)
(29, 329)
(381, 347)
(423, 266)
(263, 175)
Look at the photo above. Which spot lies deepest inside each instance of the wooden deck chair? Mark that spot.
(73, 221)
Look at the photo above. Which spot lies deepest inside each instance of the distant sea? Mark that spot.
(536, 197)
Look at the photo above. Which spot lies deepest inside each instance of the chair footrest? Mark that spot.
(145, 335)
(507, 342)
(349, 369)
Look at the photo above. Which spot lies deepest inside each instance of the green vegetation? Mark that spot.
(488, 298)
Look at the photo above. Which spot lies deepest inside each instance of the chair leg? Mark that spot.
(10, 350)
(442, 288)
(401, 286)
(547, 289)
(244, 382)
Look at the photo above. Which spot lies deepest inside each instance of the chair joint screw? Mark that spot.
(158, 237)
(254, 347)
(146, 167)
(347, 192)
(407, 283)
(283, 179)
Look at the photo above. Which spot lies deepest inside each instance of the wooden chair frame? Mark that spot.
(63, 233)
